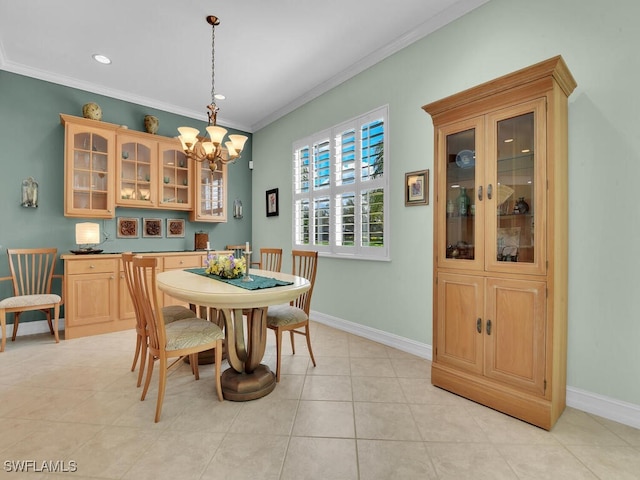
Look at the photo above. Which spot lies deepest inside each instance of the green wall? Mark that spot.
(598, 40)
(32, 145)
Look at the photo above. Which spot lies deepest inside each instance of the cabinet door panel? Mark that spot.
(460, 306)
(91, 298)
(459, 200)
(516, 211)
(515, 345)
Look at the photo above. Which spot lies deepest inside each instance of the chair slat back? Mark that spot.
(32, 270)
(238, 250)
(271, 259)
(305, 265)
(127, 267)
(144, 277)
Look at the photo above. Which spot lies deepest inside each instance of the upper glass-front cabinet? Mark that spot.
(175, 182)
(88, 169)
(210, 194)
(136, 171)
(491, 191)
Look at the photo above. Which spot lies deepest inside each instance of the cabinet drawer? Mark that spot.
(91, 266)
(190, 261)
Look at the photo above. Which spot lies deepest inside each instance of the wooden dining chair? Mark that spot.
(237, 250)
(270, 259)
(294, 317)
(186, 337)
(170, 313)
(32, 275)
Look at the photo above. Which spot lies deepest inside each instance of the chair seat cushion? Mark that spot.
(30, 300)
(281, 315)
(171, 313)
(191, 332)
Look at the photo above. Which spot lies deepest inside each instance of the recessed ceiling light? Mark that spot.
(219, 96)
(508, 140)
(101, 58)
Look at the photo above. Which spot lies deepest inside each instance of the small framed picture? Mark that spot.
(152, 227)
(416, 188)
(272, 202)
(175, 227)
(128, 227)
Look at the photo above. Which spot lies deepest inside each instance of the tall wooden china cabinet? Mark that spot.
(500, 246)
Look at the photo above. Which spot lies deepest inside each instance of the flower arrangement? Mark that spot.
(225, 266)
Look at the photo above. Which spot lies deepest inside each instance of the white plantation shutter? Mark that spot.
(340, 201)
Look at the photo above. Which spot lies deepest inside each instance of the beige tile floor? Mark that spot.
(366, 411)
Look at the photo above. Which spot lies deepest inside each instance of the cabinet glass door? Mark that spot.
(210, 194)
(517, 193)
(90, 172)
(459, 205)
(136, 173)
(175, 181)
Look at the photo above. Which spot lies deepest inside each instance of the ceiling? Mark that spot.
(271, 56)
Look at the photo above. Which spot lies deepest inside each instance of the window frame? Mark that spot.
(336, 188)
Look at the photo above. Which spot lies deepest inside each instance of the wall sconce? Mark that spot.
(29, 193)
(237, 209)
(87, 235)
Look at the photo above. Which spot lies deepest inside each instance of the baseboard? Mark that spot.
(606, 407)
(410, 346)
(33, 328)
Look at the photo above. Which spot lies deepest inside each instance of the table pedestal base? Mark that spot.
(241, 387)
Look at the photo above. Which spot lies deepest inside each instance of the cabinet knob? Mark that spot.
(480, 193)
(488, 327)
(479, 325)
(112, 277)
(489, 191)
(92, 266)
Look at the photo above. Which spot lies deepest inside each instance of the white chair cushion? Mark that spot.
(191, 332)
(30, 300)
(281, 315)
(171, 313)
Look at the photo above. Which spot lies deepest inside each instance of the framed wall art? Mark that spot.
(128, 227)
(272, 202)
(416, 188)
(152, 227)
(175, 227)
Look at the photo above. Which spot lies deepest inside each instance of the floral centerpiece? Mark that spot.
(225, 266)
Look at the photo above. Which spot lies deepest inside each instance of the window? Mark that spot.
(340, 201)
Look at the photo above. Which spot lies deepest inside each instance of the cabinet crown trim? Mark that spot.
(554, 67)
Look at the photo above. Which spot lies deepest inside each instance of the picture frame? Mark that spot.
(175, 227)
(128, 227)
(152, 228)
(416, 188)
(272, 202)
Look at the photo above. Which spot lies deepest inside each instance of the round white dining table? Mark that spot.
(247, 379)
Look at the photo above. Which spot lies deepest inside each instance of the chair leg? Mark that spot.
(143, 355)
(16, 322)
(56, 319)
(3, 325)
(162, 383)
(148, 379)
(293, 345)
(306, 334)
(278, 353)
(137, 354)
(217, 368)
(194, 364)
(47, 312)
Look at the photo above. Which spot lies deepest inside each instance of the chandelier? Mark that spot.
(211, 150)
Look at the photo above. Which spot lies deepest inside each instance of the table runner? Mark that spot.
(258, 281)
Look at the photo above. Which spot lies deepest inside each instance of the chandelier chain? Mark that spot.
(213, 56)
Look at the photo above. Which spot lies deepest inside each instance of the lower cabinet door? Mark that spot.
(516, 333)
(459, 333)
